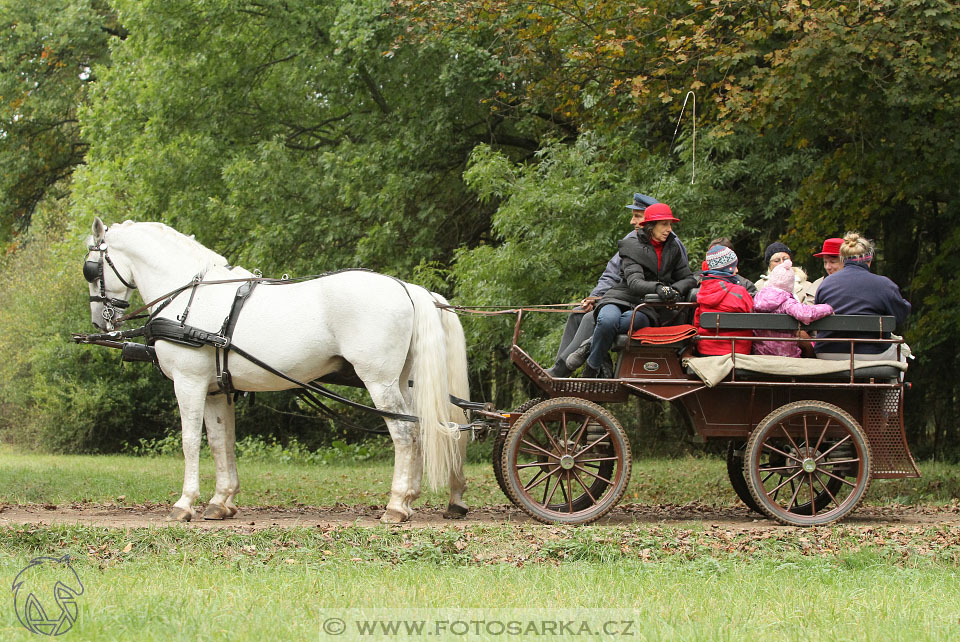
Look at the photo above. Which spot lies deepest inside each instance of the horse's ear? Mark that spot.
(97, 229)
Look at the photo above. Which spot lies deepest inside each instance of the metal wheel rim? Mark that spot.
(786, 467)
(548, 471)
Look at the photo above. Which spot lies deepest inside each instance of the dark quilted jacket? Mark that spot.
(640, 275)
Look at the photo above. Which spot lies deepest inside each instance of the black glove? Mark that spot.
(666, 293)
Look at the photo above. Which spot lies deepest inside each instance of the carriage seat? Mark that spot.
(867, 324)
(785, 322)
(863, 373)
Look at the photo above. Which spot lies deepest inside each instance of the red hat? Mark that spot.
(658, 212)
(831, 247)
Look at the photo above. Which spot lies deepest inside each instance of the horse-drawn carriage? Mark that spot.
(805, 436)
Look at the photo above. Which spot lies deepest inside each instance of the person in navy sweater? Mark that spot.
(857, 290)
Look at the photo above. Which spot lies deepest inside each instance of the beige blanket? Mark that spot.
(712, 370)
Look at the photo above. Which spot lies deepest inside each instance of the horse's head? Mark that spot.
(109, 289)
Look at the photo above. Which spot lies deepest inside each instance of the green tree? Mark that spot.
(294, 126)
(821, 117)
(47, 53)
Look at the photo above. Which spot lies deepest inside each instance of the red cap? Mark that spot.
(658, 212)
(831, 247)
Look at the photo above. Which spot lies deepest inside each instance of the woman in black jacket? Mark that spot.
(652, 263)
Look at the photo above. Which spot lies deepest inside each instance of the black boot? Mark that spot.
(604, 372)
(606, 368)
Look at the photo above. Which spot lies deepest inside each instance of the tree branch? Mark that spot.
(373, 89)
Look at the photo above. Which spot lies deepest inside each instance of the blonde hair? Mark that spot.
(855, 246)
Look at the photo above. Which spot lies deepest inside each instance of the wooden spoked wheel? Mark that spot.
(500, 439)
(739, 483)
(566, 460)
(807, 463)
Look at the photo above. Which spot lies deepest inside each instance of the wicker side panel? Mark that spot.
(592, 389)
(598, 390)
(883, 423)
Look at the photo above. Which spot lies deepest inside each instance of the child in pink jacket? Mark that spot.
(777, 297)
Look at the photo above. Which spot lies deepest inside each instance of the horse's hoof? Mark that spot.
(455, 511)
(233, 510)
(393, 517)
(216, 511)
(179, 515)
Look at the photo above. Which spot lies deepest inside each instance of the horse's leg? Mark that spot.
(218, 416)
(230, 449)
(457, 509)
(191, 397)
(407, 458)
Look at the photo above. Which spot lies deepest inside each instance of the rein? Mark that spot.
(285, 280)
(194, 283)
(179, 332)
(492, 310)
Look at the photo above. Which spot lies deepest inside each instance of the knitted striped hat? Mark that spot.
(720, 257)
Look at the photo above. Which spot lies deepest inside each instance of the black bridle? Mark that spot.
(93, 272)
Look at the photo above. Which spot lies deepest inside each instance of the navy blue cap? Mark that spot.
(642, 202)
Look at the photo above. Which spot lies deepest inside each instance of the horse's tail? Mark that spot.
(431, 389)
(457, 377)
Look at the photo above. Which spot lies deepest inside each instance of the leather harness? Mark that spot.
(161, 329)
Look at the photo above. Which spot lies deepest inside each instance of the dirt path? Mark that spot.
(258, 517)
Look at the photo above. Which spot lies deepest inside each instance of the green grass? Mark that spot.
(60, 479)
(843, 582)
(673, 583)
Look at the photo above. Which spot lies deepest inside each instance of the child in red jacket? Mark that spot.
(719, 292)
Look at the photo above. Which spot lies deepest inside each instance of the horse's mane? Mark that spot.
(203, 254)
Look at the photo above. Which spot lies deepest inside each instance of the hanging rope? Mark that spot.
(693, 163)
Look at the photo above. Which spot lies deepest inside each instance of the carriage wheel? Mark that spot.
(735, 473)
(500, 439)
(739, 482)
(596, 487)
(799, 454)
(566, 460)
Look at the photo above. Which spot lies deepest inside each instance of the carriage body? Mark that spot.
(770, 421)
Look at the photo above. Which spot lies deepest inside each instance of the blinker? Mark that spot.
(91, 270)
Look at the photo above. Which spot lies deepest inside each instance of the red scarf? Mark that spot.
(658, 248)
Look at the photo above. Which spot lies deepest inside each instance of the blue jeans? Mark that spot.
(611, 321)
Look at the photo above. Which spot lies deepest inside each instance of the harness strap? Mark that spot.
(106, 257)
(224, 380)
(167, 330)
(193, 292)
(319, 389)
(169, 296)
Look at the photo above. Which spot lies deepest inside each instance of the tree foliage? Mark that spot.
(487, 147)
(47, 52)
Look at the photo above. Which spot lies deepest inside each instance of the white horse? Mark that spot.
(390, 332)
